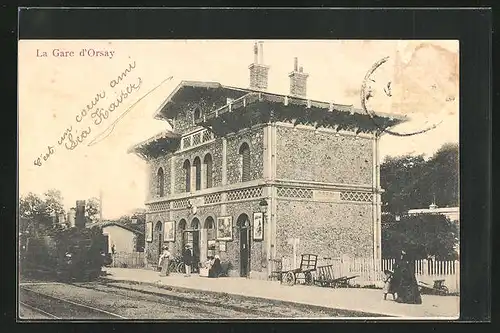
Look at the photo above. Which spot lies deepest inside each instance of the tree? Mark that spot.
(399, 177)
(442, 175)
(136, 219)
(412, 182)
(34, 209)
(92, 210)
(54, 203)
(42, 211)
(420, 236)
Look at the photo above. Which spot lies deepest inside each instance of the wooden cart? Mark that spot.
(438, 288)
(326, 278)
(304, 272)
(276, 269)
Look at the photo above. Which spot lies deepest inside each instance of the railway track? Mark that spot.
(120, 300)
(60, 308)
(28, 311)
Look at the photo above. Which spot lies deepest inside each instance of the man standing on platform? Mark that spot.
(187, 257)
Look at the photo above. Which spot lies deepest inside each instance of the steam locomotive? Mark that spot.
(63, 254)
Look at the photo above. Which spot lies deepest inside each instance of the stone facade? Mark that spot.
(325, 228)
(214, 149)
(254, 139)
(154, 166)
(320, 186)
(306, 155)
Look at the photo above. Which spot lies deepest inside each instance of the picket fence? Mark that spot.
(371, 272)
(128, 260)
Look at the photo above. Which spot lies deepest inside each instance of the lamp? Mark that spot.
(263, 205)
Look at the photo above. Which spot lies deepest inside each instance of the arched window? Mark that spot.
(245, 162)
(197, 114)
(208, 170)
(197, 173)
(160, 186)
(187, 175)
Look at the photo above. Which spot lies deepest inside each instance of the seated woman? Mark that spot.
(205, 267)
(215, 268)
(209, 262)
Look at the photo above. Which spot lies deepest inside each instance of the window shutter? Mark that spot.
(161, 183)
(197, 173)
(187, 173)
(208, 168)
(245, 167)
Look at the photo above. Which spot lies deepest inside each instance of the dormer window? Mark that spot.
(197, 114)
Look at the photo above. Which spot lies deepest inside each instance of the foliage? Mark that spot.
(441, 176)
(399, 177)
(33, 208)
(136, 220)
(92, 210)
(420, 236)
(41, 210)
(54, 202)
(411, 182)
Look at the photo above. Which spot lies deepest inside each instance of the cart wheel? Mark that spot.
(444, 290)
(308, 278)
(181, 268)
(289, 279)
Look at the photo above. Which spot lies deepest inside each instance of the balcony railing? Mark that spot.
(196, 139)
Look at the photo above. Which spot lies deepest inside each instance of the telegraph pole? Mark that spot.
(100, 205)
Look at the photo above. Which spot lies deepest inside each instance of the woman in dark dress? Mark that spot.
(406, 282)
(216, 268)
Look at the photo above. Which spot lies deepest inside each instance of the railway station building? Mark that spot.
(242, 171)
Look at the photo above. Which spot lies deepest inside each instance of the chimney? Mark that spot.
(80, 214)
(258, 71)
(298, 80)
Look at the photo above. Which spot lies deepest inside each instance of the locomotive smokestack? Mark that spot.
(80, 214)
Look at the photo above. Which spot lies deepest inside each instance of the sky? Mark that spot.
(56, 88)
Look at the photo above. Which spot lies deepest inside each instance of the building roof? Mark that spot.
(103, 224)
(443, 210)
(453, 213)
(185, 88)
(167, 110)
(157, 145)
(243, 110)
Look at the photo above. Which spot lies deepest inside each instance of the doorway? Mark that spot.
(209, 230)
(105, 246)
(158, 232)
(195, 226)
(243, 224)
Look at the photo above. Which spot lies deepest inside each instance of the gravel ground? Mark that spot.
(148, 302)
(28, 313)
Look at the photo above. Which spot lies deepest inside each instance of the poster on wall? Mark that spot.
(149, 232)
(225, 228)
(169, 232)
(222, 246)
(258, 226)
